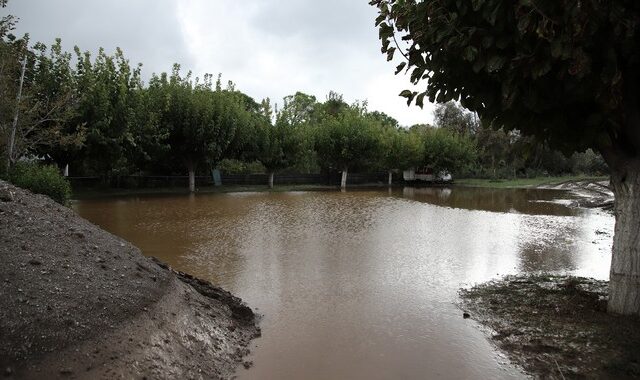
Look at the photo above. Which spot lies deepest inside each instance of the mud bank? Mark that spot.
(78, 302)
(556, 327)
(589, 194)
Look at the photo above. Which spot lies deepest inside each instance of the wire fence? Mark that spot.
(137, 181)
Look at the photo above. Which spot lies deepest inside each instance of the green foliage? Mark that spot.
(588, 162)
(94, 113)
(54, 101)
(106, 106)
(40, 179)
(347, 140)
(451, 116)
(279, 144)
(448, 151)
(400, 149)
(564, 71)
(298, 109)
(334, 105)
(384, 119)
(201, 123)
(495, 153)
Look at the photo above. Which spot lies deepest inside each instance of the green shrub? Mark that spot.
(41, 179)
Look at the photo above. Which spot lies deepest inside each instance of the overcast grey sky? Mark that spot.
(269, 48)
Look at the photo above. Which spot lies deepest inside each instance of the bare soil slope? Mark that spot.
(78, 302)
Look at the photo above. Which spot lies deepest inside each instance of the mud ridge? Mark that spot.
(78, 302)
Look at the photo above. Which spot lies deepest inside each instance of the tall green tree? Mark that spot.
(37, 99)
(451, 116)
(35, 94)
(493, 149)
(445, 150)
(106, 90)
(400, 149)
(299, 108)
(244, 144)
(564, 71)
(202, 122)
(279, 145)
(347, 140)
(57, 132)
(302, 113)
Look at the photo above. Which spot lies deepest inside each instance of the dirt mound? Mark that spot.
(77, 301)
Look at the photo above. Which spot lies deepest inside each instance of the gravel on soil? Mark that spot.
(79, 302)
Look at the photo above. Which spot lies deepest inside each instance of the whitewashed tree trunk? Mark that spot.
(343, 182)
(191, 167)
(624, 284)
(66, 170)
(192, 181)
(271, 180)
(390, 177)
(14, 125)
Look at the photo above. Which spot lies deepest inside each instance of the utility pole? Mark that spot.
(14, 127)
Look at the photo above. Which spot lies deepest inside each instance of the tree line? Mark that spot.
(95, 116)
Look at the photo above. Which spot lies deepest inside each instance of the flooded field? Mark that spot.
(363, 284)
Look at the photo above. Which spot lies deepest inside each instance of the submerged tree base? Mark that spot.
(557, 326)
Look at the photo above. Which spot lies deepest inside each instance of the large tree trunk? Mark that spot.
(271, 180)
(624, 285)
(390, 177)
(343, 182)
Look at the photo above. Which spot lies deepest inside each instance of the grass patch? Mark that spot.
(557, 327)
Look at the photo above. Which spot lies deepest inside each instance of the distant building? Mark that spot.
(426, 174)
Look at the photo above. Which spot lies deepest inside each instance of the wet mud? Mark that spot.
(556, 326)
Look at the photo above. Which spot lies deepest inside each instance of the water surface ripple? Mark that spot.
(363, 284)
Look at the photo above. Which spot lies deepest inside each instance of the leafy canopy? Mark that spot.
(447, 150)
(400, 148)
(347, 139)
(562, 70)
(279, 144)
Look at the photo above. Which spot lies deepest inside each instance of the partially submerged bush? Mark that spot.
(41, 179)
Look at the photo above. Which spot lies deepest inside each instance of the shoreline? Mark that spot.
(523, 183)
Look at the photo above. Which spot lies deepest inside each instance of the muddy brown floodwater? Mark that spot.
(363, 284)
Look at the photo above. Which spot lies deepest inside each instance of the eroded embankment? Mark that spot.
(76, 301)
(588, 193)
(557, 327)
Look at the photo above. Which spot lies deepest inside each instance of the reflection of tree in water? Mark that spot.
(525, 201)
(548, 244)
